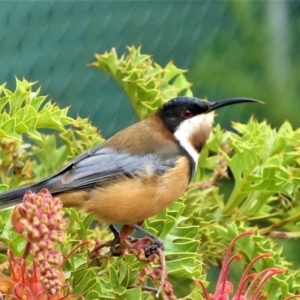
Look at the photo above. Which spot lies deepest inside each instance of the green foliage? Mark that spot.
(23, 146)
(245, 178)
(264, 187)
(22, 112)
(265, 168)
(146, 83)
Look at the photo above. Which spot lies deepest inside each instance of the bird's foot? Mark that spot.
(156, 242)
(123, 242)
(122, 239)
(117, 244)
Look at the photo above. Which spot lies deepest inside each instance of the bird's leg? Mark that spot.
(116, 240)
(118, 244)
(122, 240)
(112, 243)
(157, 242)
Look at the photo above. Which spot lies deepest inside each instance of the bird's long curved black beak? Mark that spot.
(230, 101)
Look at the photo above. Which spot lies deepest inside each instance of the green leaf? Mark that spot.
(87, 282)
(3, 188)
(132, 294)
(93, 294)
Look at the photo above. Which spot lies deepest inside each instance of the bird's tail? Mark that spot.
(11, 198)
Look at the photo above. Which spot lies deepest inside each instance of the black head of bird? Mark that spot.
(191, 119)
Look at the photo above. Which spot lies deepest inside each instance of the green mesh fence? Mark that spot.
(52, 42)
(232, 48)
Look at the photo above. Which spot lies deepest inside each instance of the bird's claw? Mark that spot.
(117, 248)
(152, 249)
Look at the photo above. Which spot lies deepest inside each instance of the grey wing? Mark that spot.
(93, 168)
(104, 164)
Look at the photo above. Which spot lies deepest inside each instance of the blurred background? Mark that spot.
(231, 49)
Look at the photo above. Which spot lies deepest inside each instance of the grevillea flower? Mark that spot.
(250, 285)
(25, 282)
(40, 220)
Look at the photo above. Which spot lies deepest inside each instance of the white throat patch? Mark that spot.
(195, 129)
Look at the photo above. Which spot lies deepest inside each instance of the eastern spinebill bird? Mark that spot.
(139, 171)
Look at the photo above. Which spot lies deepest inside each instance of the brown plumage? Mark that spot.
(133, 199)
(149, 135)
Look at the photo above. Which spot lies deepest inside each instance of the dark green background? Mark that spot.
(227, 46)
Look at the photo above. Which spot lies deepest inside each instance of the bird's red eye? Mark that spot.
(186, 113)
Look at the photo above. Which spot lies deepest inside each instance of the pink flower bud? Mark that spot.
(18, 213)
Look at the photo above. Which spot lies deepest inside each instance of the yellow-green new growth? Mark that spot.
(147, 84)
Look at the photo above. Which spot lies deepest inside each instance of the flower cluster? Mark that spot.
(250, 285)
(40, 219)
